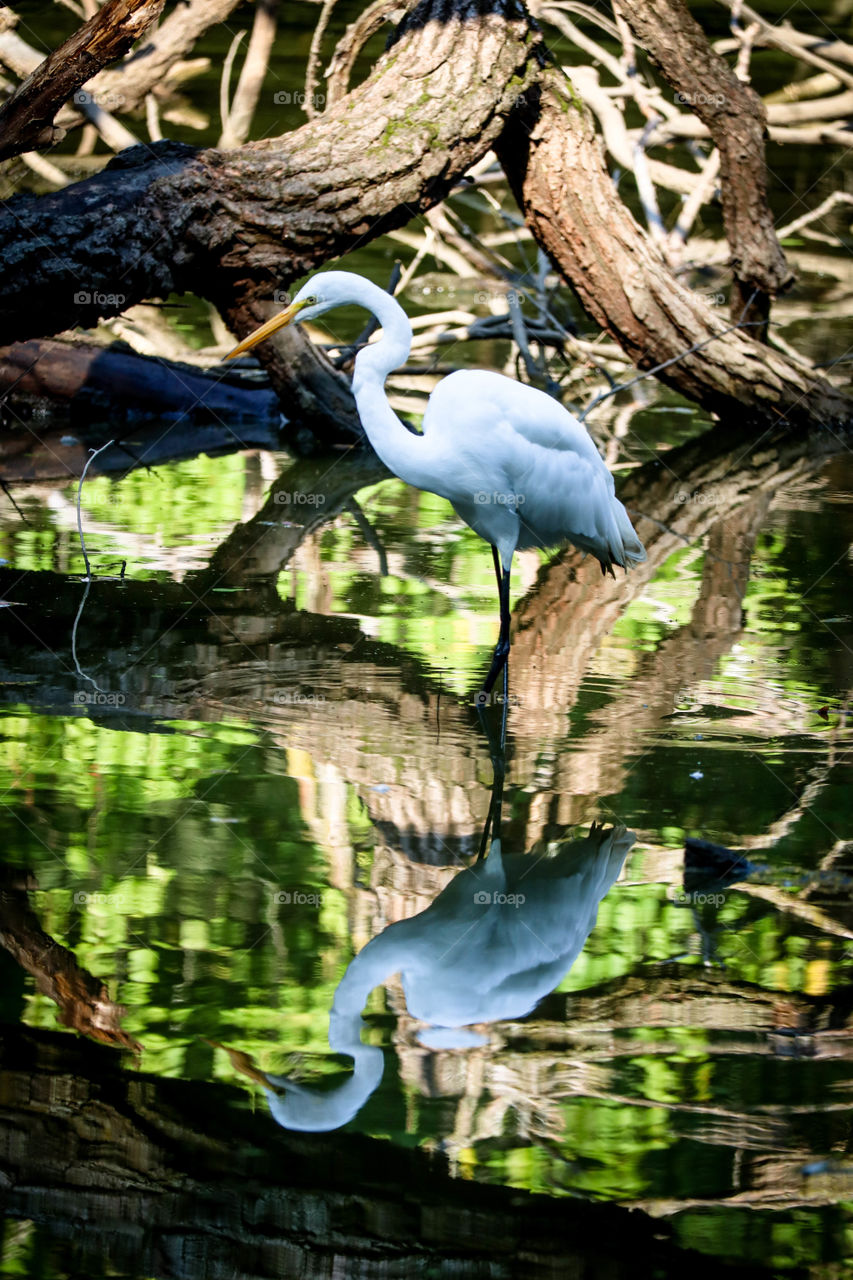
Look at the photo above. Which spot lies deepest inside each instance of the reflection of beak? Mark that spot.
(240, 1061)
(272, 326)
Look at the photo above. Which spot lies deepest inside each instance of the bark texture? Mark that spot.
(175, 1178)
(236, 226)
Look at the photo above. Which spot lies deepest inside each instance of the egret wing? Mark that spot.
(501, 443)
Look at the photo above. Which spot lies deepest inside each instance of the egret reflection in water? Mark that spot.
(500, 936)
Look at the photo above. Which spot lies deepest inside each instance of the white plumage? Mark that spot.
(522, 451)
(517, 467)
(500, 936)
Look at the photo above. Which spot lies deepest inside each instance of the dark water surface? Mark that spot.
(250, 775)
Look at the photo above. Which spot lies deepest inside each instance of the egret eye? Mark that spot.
(311, 302)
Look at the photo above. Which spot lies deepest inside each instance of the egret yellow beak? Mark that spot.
(266, 330)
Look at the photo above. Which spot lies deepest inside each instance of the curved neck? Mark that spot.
(315, 1110)
(398, 447)
(377, 359)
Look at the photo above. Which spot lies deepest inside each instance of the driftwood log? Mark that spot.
(117, 385)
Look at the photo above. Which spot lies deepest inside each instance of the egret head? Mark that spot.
(317, 295)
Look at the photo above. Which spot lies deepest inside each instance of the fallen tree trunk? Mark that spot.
(177, 1178)
(236, 226)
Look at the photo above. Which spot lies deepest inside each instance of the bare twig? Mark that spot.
(837, 197)
(425, 248)
(701, 194)
(799, 45)
(50, 172)
(311, 96)
(152, 118)
(616, 137)
(745, 39)
(352, 42)
(371, 537)
(534, 371)
(114, 134)
(236, 128)
(93, 453)
(225, 82)
(645, 188)
(658, 368)
(11, 497)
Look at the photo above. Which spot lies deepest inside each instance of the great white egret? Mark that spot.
(499, 937)
(515, 465)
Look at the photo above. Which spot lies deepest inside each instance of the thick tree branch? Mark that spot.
(82, 999)
(734, 116)
(624, 283)
(26, 119)
(234, 227)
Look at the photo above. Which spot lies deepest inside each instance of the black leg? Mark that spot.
(501, 653)
(496, 561)
(497, 751)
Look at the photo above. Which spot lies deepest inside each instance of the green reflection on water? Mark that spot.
(162, 857)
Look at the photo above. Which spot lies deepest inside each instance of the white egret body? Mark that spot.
(499, 937)
(516, 466)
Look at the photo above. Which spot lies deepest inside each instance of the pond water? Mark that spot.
(244, 777)
(248, 749)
